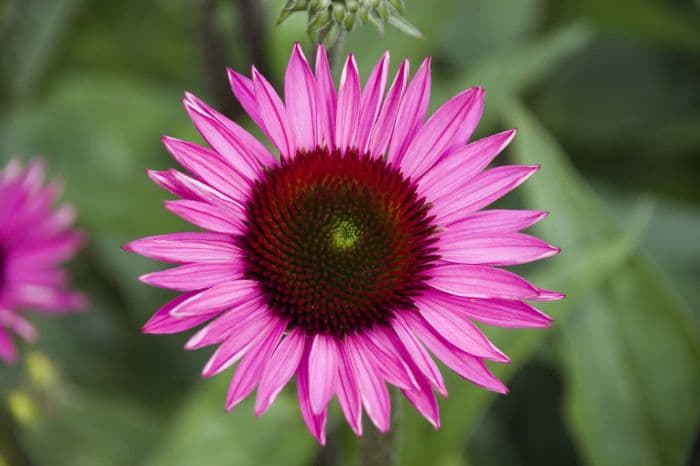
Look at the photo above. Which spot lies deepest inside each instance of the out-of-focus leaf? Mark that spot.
(29, 33)
(652, 20)
(631, 353)
(203, 434)
(509, 73)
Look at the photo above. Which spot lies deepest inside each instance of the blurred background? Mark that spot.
(606, 95)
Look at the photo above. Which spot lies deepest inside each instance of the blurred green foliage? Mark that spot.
(605, 95)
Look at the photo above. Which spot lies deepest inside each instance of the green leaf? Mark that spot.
(203, 434)
(402, 24)
(631, 352)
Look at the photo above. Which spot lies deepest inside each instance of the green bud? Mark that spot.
(338, 12)
(374, 3)
(349, 21)
(398, 5)
(352, 5)
(364, 14)
(319, 21)
(383, 12)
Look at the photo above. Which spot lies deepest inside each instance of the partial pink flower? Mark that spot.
(35, 238)
(356, 254)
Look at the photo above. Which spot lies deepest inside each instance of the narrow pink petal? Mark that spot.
(192, 277)
(227, 323)
(300, 95)
(500, 249)
(18, 324)
(477, 281)
(457, 168)
(419, 356)
(386, 121)
(497, 312)
(247, 150)
(244, 90)
(481, 191)
(315, 422)
(424, 401)
(411, 114)
(163, 323)
(222, 296)
(458, 330)
(274, 115)
(279, 369)
(465, 365)
(186, 247)
(348, 392)
(8, 351)
(204, 192)
(494, 221)
(348, 106)
(239, 343)
(166, 180)
(375, 396)
(436, 136)
(548, 295)
(209, 168)
(388, 360)
(205, 216)
(250, 369)
(323, 370)
(371, 100)
(326, 99)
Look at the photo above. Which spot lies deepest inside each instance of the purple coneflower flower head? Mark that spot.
(35, 238)
(356, 257)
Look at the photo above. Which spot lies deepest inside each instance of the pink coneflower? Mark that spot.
(353, 257)
(34, 239)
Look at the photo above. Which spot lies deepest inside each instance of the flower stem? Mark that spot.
(382, 449)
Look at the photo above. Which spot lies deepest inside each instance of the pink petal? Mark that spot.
(315, 422)
(279, 369)
(203, 192)
(381, 348)
(166, 180)
(370, 101)
(419, 356)
(186, 247)
(424, 401)
(326, 99)
(323, 370)
(500, 249)
(412, 109)
(375, 396)
(209, 168)
(458, 330)
(274, 115)
(437, 135)
(494, 221)
(244, 90)
(238, 343)
(8, 351)
(383, 128)
(300, 97)
(481, 191)
(348, 106)
(205, 216)
(548, 295)
(465, 365)
(191, 277)
(227, 324)
(477, 281)
(18, 324)
(226, 295)
(348, 392)
(250, 369)
(497, 312)
(457, 168)
(163, 323)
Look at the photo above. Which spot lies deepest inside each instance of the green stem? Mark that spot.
(380, 449)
